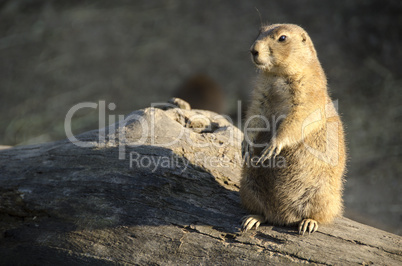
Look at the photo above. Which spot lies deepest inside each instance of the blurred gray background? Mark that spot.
(55, 54)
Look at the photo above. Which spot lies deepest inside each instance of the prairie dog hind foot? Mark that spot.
(251, 221)
(308, 225)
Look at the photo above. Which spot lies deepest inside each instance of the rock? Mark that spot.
(160, 187)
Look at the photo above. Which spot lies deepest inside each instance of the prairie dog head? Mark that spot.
(283, 49)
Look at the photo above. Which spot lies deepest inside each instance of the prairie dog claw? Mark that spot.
(271, 151)
(251, 221)
(308, 225)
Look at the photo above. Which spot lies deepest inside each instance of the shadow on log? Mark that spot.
(160, 187)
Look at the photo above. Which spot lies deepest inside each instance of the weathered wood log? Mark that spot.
(159, 188)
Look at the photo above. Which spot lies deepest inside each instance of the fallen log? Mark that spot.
(160, 187)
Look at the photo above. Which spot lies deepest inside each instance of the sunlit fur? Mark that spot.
(292, 84)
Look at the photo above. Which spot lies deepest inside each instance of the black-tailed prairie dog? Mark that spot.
(293, 137)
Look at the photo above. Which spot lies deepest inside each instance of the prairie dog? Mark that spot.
(303, 132)
(202, 92)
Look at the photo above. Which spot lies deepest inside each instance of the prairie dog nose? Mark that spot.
(253, 52)
(255, 49)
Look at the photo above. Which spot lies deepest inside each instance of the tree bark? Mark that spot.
(160, 187)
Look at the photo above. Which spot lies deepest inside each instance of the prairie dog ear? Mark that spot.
(307, 41)
(304, 37)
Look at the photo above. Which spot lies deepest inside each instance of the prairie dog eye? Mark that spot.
(282, 38)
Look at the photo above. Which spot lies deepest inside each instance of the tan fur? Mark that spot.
(292, 89)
